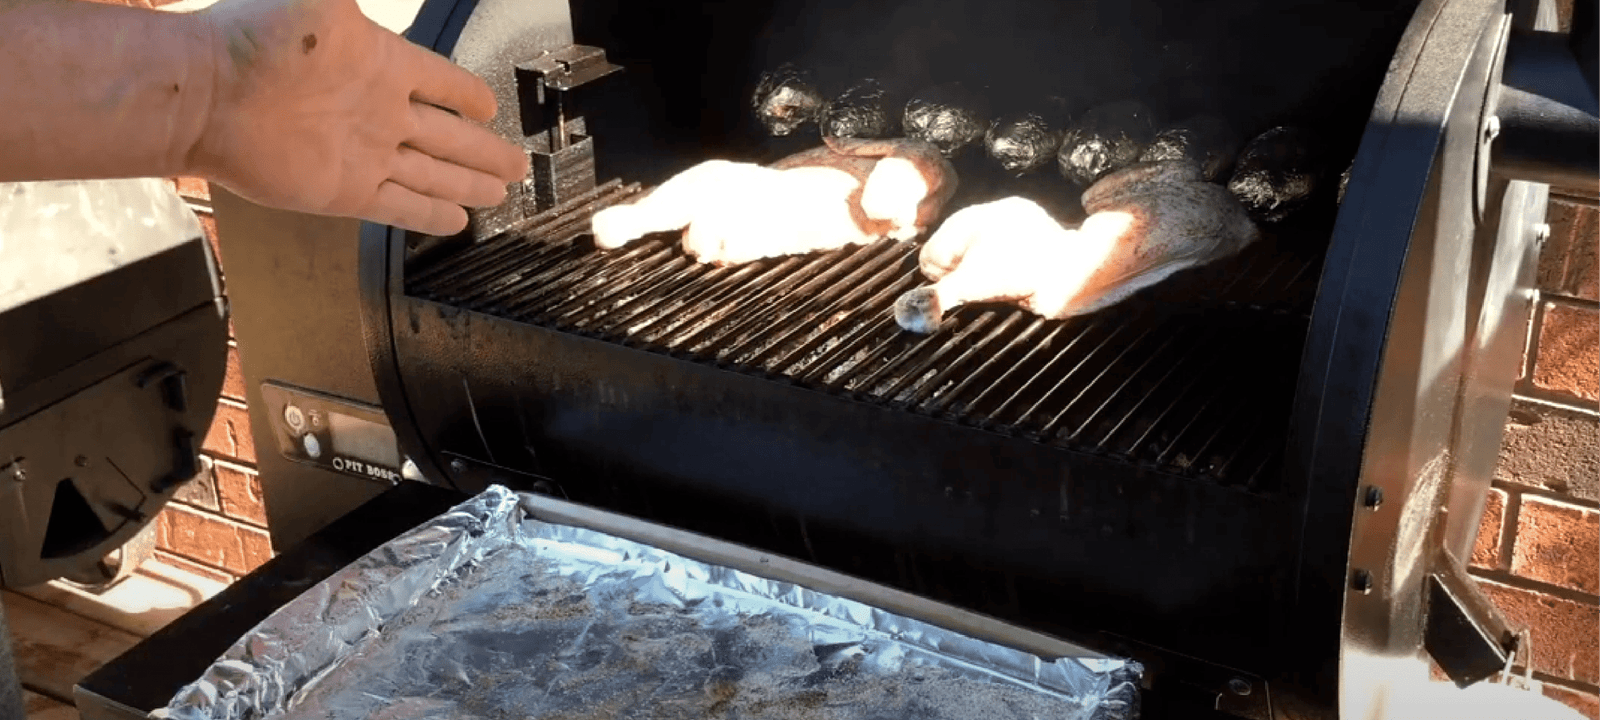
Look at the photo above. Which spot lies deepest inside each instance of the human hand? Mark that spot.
(316, 108)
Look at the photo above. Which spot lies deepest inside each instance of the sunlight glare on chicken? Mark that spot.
(1146, 222)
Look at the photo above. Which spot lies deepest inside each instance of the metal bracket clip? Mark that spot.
(560, 148)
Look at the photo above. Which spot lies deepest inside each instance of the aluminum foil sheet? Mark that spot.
(488, 612)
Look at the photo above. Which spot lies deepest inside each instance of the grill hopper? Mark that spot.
(1172, 479)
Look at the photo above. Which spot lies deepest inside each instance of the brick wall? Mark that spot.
(1538, 548)
(217, 525)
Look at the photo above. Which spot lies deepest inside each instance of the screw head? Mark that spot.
(1374, 497)
(457, 466)
(1239, 686)
(1361, 581)
(81, 461)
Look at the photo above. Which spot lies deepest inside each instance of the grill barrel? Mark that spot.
(1175, 478)
(1173, 380)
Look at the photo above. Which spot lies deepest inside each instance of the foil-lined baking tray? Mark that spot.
(495, 610)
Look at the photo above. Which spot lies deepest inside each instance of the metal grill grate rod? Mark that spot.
(545, 270)
(1054, 426)
(663, 298)
(717, 300)
(1218, 393)
(1053, 370)
(853, 341)
(855, 285)
(927, 365)
(1178, 400)
(540, 280)
(1157, 390)
(943, 400)
(461, 287)
(615, 281)
(492, 254)
(979, 402)
(746, 338)
(931, 387)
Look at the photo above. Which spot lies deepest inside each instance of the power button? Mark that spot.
(295, 418)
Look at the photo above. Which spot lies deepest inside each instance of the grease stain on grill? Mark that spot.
(1193, 377)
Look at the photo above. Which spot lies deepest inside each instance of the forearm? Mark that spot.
(99, 91)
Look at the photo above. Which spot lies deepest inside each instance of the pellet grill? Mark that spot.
(1260, 478)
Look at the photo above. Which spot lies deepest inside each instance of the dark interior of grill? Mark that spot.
(1116, 473)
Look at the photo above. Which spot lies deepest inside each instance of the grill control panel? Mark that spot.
(335, 434)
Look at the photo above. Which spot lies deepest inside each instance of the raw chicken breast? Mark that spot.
(1146, 222)
(850, 191)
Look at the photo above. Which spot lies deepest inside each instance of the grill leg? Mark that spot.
(10, 689)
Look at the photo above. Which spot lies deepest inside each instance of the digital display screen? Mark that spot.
(363, 440)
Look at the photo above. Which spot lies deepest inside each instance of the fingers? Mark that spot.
(451, 86)
(396, 205)
(449, 138)
(444, 180)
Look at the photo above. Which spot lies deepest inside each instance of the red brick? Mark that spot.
(1569, 352)
(182, 563)
(257, 547)
(1486, 551)
(1558, 543)
(1565, 642)
(1585, 702)
(204, 538)
(229, 436)
(208, 223)
(189, 187)
(233, 386)
(1569, 263)
(240, 491)
(1551, 448)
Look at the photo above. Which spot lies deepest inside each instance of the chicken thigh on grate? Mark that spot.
(1146, 222)
(850, 191)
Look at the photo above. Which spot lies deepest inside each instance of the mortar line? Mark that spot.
(1523, 583)
(1544, 493)
(1509, 518)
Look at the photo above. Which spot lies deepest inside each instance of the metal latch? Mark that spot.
(569, 67)
(1465, 634)
(560, 149)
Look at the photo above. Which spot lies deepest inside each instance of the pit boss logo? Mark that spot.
(366, 469)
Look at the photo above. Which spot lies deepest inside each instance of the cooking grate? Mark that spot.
(1195, 376)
